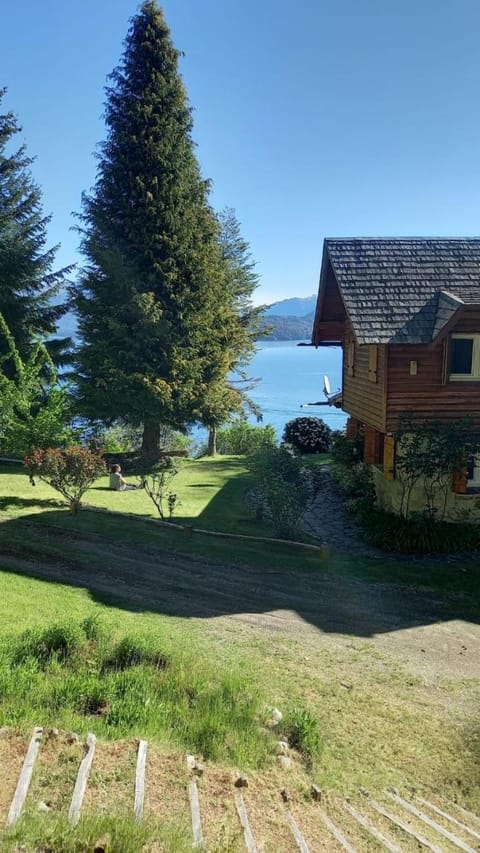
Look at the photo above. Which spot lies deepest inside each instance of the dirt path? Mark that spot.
(433, 636)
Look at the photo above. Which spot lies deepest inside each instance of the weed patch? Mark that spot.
(78, 677)
(302, 733)
(133, 651)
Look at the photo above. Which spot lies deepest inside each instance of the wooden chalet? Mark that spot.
(407, 314)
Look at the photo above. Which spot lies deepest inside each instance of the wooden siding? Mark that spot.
(329, 323)
(468, 322)
(362, 398)
(427, 394)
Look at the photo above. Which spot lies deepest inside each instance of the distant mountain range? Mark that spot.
(290, 319)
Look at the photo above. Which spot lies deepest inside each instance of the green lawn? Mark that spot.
(366, 701)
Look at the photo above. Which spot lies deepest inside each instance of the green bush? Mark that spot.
(284, 489)
(346, 451)
(70, 472)
(241, 438)
(418, 534)
(308, 435)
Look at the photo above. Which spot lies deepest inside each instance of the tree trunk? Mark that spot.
(212, 441)
(151, 440)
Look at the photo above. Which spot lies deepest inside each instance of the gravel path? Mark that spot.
(328, 521)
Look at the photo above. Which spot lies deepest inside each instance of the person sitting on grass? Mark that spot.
(117, 483)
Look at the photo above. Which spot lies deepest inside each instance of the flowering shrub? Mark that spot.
(69, 471)
(308, 435)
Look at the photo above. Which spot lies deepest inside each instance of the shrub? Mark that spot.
(284, 489)
(308, 435)
(241, 438)
(419, 534)
(355, 481)
(346, 451)
(157, 486)
(69, 471)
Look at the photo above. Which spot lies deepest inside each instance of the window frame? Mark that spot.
(474, 376)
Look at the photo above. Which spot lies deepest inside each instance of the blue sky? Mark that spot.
(313, 119)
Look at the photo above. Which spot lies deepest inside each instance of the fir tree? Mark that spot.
(227, 393)
(27, 282)
(153, 308)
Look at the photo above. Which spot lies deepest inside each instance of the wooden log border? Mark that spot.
(25, 777)
(82, 780)
(243, 816)
(140, 780)
(457, 842)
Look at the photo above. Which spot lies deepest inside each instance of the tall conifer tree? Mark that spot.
(228, 392)
(27, 282)
(154, 313)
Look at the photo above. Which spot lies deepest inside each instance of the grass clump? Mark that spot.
(302, 733)
(56, 642)
(133, 651)
(119, 834)
(79, 677)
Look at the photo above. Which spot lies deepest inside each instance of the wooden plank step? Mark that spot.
(247, 832)
(301, 843)
(406, 828)
(25, 777)
(449, 817)
(140, 780)
(457, 842)
(468, 815)
(195, 812)
(337, 833)
(82, 780)
(362, 820)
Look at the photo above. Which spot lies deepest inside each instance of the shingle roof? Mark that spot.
(404, 290)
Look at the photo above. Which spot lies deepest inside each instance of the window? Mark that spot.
(464, 357)
(473, 470)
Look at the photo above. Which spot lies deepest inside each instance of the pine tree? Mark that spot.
(27, 282)
(228, 391)
(153, 309)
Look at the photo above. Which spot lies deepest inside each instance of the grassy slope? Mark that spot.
(411, 733)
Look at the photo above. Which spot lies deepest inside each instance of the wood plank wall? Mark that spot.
(363, 398)
(426, 394)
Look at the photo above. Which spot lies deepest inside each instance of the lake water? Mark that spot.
(291, 375)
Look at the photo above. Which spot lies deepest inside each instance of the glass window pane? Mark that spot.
(461, 352)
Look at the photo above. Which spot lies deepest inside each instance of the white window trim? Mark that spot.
(474, 376)
(475, 481)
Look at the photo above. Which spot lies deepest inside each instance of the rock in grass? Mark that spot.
(284, 795)
(282, 747)
(72, 737)
(198, 768)
(284, 761)
(43, 807)
(191, 762)
(102, 845)
(276, 717)
(241, 781)
(316, 793)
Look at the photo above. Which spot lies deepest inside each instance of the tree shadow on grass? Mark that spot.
(140, 567)
(14, 502)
